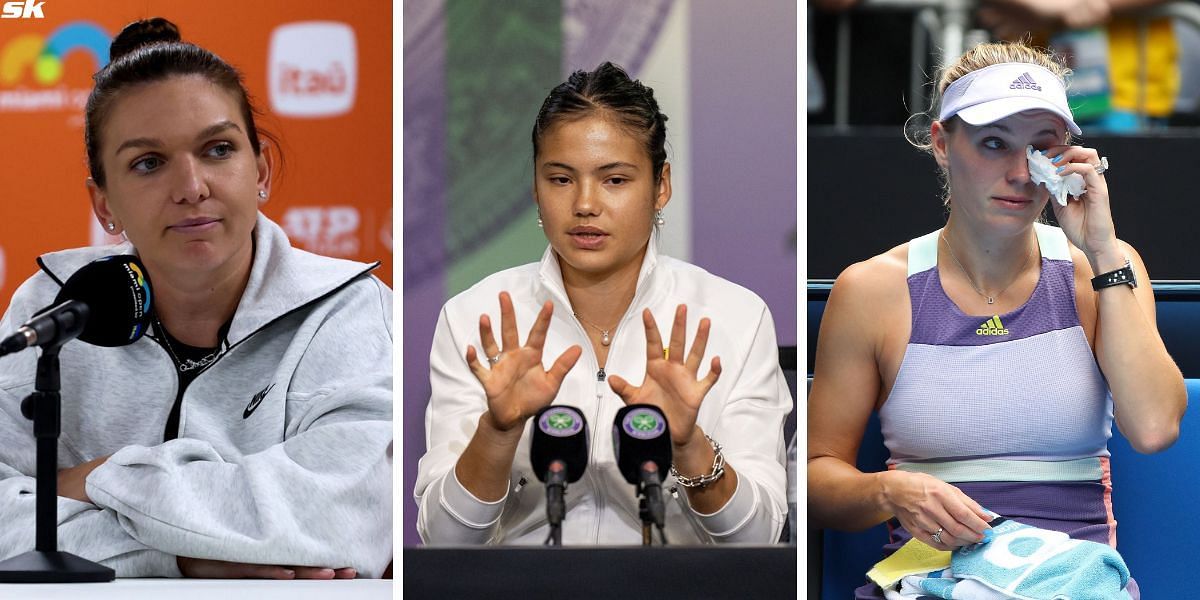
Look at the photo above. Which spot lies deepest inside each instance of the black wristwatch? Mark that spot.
(1124, 275)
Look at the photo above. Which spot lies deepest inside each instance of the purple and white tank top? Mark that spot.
(994, 389)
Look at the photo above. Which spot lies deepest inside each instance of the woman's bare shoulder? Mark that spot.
(876, 279)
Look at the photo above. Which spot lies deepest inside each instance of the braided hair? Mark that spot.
(610, 91)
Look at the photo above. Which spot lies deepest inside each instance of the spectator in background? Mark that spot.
(1100, 42)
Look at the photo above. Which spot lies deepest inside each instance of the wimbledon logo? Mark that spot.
(560, 422)
(31, 59)
(643, 424)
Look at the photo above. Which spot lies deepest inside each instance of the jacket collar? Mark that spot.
(551, 282)
(282, 278)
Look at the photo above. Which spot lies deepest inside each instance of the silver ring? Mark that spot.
(492, 360)
(937, 537)
(1103, 166)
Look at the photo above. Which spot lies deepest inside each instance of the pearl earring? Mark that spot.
(111, 226)
(262, 194)
(540, 222)
(658, 218)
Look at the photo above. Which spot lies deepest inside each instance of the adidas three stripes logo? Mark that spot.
(1024, 82)
(992, 326)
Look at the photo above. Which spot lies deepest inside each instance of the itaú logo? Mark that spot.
(31, 67)
(313, 69)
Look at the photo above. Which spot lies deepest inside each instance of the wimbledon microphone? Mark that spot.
(558, 454)
(107, 302)
(642, 443)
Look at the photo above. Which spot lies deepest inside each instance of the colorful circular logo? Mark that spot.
(43, 57)
(644, 423)
(561, 422)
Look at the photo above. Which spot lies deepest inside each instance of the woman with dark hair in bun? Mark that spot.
(249, 433)
(593, 306)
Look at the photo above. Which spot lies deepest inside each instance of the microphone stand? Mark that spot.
(650, 503)
(45, 564)
(556, 507)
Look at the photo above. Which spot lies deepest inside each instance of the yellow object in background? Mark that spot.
(1162, 65)
(913, 558)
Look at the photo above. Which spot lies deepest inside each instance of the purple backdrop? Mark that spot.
(425, 192)
(743, 128)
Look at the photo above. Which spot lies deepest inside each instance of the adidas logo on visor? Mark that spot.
(992, 326)
(1024, 82)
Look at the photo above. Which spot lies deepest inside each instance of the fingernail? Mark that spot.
(289, 573)
(1056, 159)
(988, 535)
(1059, 170)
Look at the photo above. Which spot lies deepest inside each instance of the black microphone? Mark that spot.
(52, 326)
(558, 454)
(107, 302)
(642, 443)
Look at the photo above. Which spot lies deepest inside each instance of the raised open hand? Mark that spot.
(516, 384)
(671, 381)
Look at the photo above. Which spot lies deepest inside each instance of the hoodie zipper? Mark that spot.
(601, 385)
(601, 379)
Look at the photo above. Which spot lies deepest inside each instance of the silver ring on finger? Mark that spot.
(492, 360)
(1103, 166)
(937, 536)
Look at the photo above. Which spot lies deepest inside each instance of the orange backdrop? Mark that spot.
(319, 71)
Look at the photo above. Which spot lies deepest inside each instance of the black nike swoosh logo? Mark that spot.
(256, 400)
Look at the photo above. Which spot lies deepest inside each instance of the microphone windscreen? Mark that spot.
(640, 434)
(116, 290)
(559, 433)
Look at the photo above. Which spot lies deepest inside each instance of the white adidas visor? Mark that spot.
(992, 93)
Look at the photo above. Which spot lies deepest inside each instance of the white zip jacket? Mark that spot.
(284, 448)
(744, 412)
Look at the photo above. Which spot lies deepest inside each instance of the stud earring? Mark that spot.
(111, 226)
(262, 194)
(658, 218)
(540, 225)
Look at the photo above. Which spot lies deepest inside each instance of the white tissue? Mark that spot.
(1042, 171)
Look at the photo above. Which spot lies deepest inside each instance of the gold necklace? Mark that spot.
(990, 299)
(605, 339)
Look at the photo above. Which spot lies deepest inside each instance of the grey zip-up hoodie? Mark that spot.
(285, 442)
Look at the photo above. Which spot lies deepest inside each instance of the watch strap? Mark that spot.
(1122, 276)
